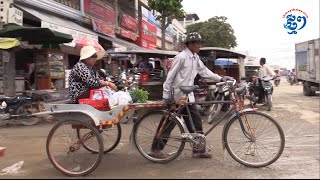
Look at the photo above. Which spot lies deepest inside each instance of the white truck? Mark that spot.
(308, 65)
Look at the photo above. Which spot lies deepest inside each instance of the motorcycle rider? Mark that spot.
(265, 71)
(277, 79)
(293, 77)
(186, 65)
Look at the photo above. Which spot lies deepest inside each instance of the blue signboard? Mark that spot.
(302, 61)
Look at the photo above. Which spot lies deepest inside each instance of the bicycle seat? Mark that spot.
(188, 89)
(8, 99)
(240, 90)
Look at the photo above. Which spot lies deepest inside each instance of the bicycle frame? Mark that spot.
(237, 109)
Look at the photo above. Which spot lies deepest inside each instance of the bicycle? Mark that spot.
(252, 138)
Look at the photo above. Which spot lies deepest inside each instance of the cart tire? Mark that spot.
(110, 137)
(81, 163)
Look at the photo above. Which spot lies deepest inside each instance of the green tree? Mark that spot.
(216, 32)
(169, 10)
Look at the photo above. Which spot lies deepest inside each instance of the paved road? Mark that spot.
(297, 114)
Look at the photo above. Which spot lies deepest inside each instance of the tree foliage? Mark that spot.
(215, 32)
(169, 10)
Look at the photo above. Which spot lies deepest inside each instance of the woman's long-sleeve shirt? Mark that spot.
(81, 79)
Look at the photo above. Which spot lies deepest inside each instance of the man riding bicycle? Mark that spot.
(185, 67)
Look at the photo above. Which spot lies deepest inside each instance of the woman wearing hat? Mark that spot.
(83, 77)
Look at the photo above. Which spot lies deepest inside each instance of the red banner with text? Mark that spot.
(103, 27)
(148, 35)
(98, 8)
(128, 34)
(129, 22)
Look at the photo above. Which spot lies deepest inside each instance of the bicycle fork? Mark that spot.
(249, 134)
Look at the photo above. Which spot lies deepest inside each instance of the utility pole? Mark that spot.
(9, 73)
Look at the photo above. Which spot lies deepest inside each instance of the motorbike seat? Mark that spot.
(188, 89)
(8, 98)
(199, 90)
(241, 90)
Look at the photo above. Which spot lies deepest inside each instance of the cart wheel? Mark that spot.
(110, 136)
(65, 149)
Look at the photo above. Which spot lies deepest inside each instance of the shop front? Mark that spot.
(52, 62)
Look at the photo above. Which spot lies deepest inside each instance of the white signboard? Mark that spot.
(118, 47)
(144, 13)
(251, 61)
(15, 16)
(74, 33)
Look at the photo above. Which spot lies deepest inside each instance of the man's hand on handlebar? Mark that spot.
(226, 78)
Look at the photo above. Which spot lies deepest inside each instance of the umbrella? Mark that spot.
(35, 35)
(7, 43)
(81, 42)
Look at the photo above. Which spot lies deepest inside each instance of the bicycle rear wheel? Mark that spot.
(65, 148)
(170, 144)
(264, 150)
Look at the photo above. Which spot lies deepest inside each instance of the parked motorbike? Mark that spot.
(222, 93)
(123, 82)
(261, 85)
(206, 93)
(19, 108)
(277, 81)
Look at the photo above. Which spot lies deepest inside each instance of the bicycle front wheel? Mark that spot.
(169, 144)
(65, 148)
(267, 145)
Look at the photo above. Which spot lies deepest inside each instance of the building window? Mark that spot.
(75, 4)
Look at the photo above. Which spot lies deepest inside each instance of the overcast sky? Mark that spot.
(258, 25)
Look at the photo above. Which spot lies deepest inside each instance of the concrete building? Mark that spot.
(190, 18)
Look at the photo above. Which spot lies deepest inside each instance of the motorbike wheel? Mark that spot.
(215, 110)
(269, 101)
(25, 110)
(205, 109)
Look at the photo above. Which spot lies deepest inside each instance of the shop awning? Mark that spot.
(35, 35)
(128, 45)
(59, 24)
(7, 43)
(65, 26)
